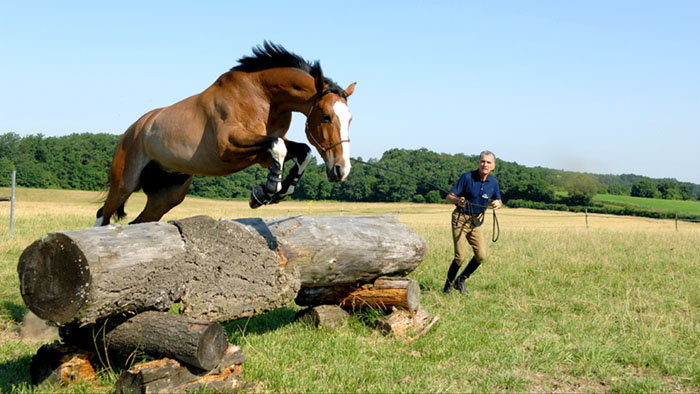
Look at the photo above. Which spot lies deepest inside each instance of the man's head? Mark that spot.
(487, 162)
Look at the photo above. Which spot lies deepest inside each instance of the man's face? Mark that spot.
(486, 164)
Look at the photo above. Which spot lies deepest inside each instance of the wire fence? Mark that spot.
(514, 218)
(508, 218)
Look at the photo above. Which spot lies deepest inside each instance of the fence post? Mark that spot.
(676, 221)
(12, 203)
(586, 211)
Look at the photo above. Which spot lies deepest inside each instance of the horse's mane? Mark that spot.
(274, 55)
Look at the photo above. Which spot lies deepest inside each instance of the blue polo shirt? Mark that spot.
(475, 191)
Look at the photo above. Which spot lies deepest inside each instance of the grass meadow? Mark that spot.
(657, 204)
(561, 305)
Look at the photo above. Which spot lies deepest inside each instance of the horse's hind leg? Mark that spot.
(164, 190)
(123, 180)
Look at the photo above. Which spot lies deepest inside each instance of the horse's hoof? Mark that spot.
(258, 197)
(277, 198)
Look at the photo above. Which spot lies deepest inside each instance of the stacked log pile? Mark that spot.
(110, 286)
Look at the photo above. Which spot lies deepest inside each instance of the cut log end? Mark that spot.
(212, 345)
(57, 260)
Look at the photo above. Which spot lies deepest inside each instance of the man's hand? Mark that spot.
(462, 202)
(459, 201)
(496, 204)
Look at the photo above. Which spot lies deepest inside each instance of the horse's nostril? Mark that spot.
(338, 172)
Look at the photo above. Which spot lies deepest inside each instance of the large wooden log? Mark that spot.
(217, 269)
(197, 343)
(330, 250)
(87, 274)
(384, 293)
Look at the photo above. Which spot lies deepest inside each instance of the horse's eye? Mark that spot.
(325, 118)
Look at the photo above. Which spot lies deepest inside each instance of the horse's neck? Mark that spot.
(289, 89)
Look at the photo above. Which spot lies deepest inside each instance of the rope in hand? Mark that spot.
(466, 210)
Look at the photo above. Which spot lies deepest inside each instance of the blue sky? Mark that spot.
(606, 87)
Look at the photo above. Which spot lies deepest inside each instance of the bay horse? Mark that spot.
(238, 121)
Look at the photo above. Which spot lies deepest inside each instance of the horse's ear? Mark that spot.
(350, 89)
(320, 82)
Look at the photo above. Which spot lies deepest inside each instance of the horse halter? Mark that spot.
(323, 149)
(311, 136)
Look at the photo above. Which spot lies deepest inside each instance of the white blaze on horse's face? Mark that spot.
(344, 116)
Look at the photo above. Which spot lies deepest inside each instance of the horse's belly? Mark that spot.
(194, 159)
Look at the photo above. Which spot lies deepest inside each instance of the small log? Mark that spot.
(384, 293)
(197, 343)
(402, 323)
(331, 316)
(62, 364)
(168, 375)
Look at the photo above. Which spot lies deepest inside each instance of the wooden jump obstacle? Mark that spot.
(114, 283)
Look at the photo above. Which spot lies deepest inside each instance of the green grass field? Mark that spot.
(559, 306)
(673, 206)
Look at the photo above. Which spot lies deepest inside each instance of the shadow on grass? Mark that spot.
(15, 311)
(15, 373)
(270, 321)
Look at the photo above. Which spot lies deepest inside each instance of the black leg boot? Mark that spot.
(451, 273)
(471, 267)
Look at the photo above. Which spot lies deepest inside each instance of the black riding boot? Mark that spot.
(451, 273)
(471, 267)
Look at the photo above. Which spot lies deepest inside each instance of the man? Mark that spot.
(471, 195)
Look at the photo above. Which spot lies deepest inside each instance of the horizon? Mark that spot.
(439, 153)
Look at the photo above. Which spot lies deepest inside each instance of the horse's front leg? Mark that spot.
(301, 154)
(263, 194)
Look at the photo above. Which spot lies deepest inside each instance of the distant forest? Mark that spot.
(82, 162)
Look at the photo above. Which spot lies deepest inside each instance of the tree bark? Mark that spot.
(234, 274)
(217, 269)
(331, 250)
(384, 293)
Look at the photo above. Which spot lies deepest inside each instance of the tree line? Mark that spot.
(82, 162)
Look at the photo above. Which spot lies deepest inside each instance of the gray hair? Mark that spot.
(487, 153)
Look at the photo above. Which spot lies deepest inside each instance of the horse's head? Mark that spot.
(327, 127)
